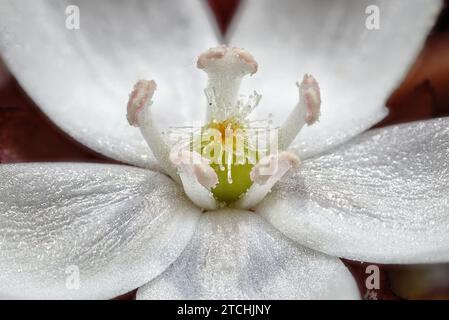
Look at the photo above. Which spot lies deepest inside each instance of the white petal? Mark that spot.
(357, 68)
(235, 254)
(118, 226)
(382, 197)
(81, 78)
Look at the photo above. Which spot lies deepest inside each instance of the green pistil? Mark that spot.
(234, 178)
(229, 191)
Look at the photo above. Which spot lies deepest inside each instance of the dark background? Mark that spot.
(26, 135)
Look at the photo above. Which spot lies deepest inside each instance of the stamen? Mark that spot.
(199, 166)
(140, 96)
(139, 115)
(197, 178)
(265, 174)
(306, 111)
(245, 107)
(225, 67)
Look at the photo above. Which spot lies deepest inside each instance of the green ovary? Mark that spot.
(230, 192)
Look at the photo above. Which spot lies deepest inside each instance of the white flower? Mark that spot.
(379, 197)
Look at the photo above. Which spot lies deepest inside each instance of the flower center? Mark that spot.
(227, 145)
(232, 160)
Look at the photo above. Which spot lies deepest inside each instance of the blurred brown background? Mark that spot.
(26, 135)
